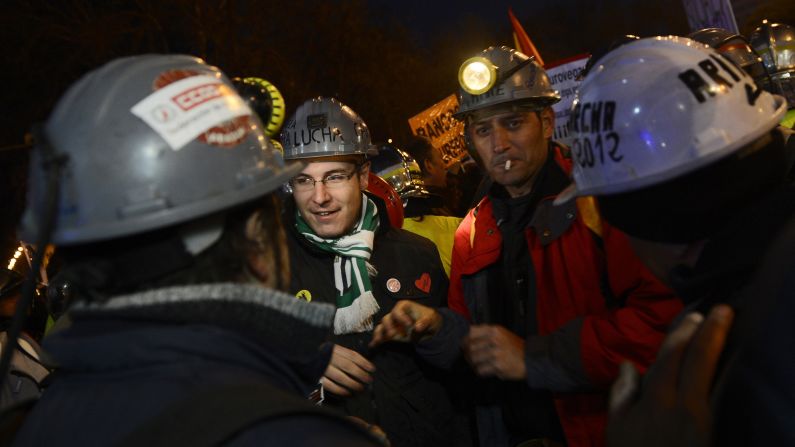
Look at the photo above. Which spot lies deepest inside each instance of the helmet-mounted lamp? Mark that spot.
(477, 75)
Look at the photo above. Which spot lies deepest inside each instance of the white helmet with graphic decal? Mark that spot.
(658, 108)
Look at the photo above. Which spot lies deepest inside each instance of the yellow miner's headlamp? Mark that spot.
(477, 75)
(277, 106)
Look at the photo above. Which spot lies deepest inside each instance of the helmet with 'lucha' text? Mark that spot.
(325, 127)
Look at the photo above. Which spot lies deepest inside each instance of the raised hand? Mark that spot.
(494, 351)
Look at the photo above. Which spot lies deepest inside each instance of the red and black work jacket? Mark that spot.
(595, 304)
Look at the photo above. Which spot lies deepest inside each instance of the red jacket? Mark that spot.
(575, 256)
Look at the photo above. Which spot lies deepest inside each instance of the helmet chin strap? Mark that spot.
(508, 73)
(199, 235)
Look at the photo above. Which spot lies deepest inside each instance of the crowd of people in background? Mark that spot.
(199, 274)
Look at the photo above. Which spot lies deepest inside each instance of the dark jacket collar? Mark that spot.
(268, 318)
(732, 256)
(535, 209)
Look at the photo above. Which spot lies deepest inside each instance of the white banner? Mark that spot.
(563, 77)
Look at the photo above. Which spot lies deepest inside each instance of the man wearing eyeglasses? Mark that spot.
(344, 251)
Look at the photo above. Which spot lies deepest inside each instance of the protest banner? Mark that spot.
(564, 77)
(446, 133)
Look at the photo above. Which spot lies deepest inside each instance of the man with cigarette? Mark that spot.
(554, 297)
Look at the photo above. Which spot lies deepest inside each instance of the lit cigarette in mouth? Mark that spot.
(507, 165)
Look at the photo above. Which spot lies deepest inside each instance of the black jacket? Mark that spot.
(408, 398)
(124, 362)
(750, 264)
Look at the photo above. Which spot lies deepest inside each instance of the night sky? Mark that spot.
(387, 59)
(413, 46)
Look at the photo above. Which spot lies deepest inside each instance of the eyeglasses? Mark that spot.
(304, 183)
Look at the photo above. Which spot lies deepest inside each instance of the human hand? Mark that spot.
(407, 321)
(672, 406)
(347, 372)
(494, 351)
(374, 430)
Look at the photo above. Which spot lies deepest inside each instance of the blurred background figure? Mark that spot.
(425, 213)
(467, 179)
(434, 175)
(23, 383)
(775, 42)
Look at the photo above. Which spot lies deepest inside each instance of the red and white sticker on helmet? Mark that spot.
(195, 106)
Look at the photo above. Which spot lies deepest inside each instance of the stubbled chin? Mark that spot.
(326, 230)
(502, 176)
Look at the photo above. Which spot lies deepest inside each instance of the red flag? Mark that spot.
(525, 44)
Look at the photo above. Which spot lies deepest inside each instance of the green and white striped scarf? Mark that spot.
(356, 304)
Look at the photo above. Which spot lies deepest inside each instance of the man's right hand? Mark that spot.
(408, 321)
(347, 372)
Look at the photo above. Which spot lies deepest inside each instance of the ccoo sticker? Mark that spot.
(187, 105)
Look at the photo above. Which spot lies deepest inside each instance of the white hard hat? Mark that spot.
(658, 108)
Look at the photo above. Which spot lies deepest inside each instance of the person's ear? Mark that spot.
(548, 122)
(364, 175)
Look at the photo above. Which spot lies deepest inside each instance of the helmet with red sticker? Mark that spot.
(170, 131)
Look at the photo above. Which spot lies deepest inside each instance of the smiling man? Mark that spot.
(344, 251)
